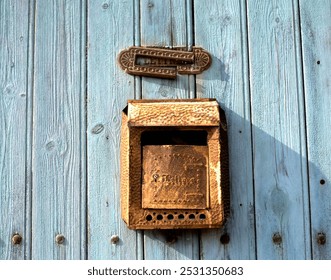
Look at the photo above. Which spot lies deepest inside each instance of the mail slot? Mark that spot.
(174, 164)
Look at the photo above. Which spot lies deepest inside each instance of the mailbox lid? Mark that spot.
(174, 112)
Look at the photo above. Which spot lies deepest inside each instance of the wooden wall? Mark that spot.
(61, 94)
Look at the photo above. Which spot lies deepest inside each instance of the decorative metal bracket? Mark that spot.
(163, 63)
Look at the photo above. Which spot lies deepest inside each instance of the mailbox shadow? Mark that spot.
(269, 195)
(156, 88)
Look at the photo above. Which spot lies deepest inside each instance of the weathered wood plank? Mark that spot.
(58, 160)
(220, 28)
(164, 23)
(137, 95)
(14, 136)
(316, 46)
(278, 127)
(110, 29)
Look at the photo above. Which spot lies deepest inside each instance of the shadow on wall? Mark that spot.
(279, 212)
(166, 88)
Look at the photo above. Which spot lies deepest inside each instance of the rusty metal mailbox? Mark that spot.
(174, 164)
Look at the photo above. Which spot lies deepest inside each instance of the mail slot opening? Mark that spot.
(174, 137)
(157, 62)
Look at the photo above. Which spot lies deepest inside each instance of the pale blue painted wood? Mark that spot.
(110, 29)
(316, 47)
(48, 168)
(278, 127)
(137, 95)
(164, 23)
(14, 132)
(220, 27)
(58, 202)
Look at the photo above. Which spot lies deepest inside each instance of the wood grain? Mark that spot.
(164, 23)
(220, 28)
(60, 108)
(14, 136)
(278, 126)
(316, 48)
(108, 90)
(58, 160)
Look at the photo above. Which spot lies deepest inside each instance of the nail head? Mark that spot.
(225, 239)
(321, 238)
(114, 239)
(277, 238)
(16, 239)
(59, 239)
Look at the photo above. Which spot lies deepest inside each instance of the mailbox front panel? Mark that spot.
(175, 177)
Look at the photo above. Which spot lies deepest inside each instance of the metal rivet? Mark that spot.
(59, 239)
(225, 239)
(16, 239)
(114, 239)
(277, 238)
(321, 238)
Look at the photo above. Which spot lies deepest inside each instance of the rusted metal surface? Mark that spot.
(174, 176)
(187, 112)
(163, 63)
(16, 239)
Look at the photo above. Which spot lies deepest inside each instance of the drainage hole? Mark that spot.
(191, 216)
(170, 217)
(149, 218)
(202, 216)
(159, 217)
(180, 217)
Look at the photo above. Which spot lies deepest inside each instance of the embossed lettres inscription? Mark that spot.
(175, 177)
(177, 181)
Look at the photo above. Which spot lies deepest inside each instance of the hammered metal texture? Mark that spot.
(163, 63)
(176, 184)
(175, 177)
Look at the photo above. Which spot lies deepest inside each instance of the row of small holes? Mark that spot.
(170, 217)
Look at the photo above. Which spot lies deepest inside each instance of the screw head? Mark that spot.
(16, 239)
(114, 239)
(59, 239)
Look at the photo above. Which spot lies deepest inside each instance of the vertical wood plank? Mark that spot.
(137, 95)
(14, 136)
(316, 45)
(164, 24)
(110, 29)
(58, 160)
(220, 27)
(279, 145)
